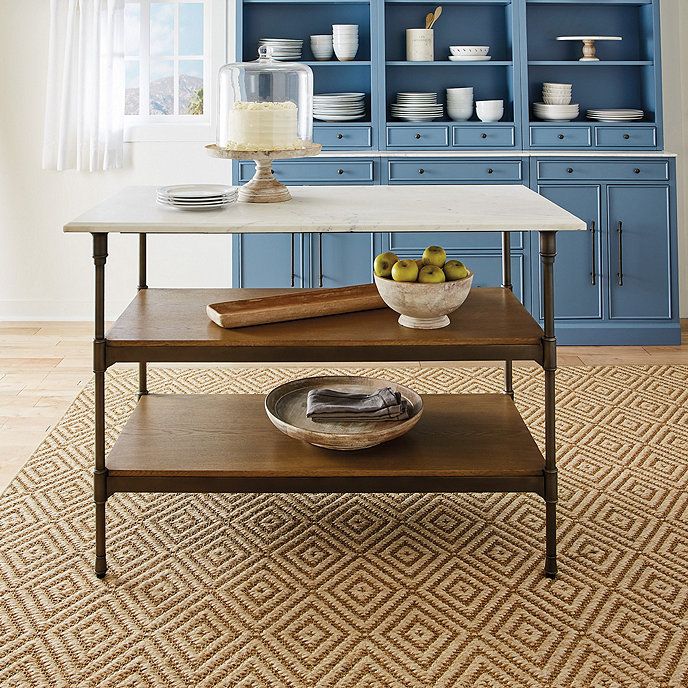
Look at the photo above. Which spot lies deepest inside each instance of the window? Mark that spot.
(169, 68)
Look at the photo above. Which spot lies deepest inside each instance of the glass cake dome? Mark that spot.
(265, 105)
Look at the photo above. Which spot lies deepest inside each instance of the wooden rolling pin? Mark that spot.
(295, 305)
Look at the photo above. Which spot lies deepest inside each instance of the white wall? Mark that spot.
(47, 275)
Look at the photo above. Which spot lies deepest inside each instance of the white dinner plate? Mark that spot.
(470, 58)
(196, 190)
(337, 118)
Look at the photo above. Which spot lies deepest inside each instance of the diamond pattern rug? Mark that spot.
(362, 590)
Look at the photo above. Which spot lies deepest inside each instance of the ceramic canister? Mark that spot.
(420, 45)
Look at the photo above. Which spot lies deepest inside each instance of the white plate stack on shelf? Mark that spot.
(321, 47)
(460, 103)
(345, 41)
(196, 196)
(283, 49)
(616, 115)
(469, 53)
(338, 107)
(417, 107)
(556, 105)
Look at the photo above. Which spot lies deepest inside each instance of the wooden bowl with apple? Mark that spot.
(425, 291)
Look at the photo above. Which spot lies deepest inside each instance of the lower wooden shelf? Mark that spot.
(225, 443)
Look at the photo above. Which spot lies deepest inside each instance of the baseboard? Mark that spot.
(17, 310)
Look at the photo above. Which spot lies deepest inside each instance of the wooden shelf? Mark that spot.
(228, 436)
(172, 325)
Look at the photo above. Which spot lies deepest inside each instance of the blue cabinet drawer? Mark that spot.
(484, 137)
(454, 171)
(418, 137)
(631, 137)
(581, 168)
(343, 137)
(316, 171)
(560, 137)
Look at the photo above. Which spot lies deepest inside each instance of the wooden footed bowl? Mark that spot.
(286, 409)
(424, 306)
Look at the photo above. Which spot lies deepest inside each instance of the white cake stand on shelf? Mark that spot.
(589, 50)
(264, 187)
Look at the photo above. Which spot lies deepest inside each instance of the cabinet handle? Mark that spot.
(421, 171)
(619, 234)
(637, 170)
(627, 136)
(483, 136)
(570, 170)
(340, 136)
(320, 254)
(417, 136)
(593, 273)
(490, 170)
(340, 171)
(561, 136)
(292, 260)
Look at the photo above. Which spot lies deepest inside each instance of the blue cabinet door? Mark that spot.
(639, 252)
(578, 275)
(342, 259)
(267, 260)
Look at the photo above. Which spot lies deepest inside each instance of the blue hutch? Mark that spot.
(616, 284)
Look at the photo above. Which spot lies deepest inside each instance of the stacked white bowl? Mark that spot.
(321, 47)
(460, 103)
(556, 105)
(345, 41)
(469, 53)
(489, 110)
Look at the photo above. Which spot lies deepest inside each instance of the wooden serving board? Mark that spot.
(295, 305)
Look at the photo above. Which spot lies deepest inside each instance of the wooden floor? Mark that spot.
(44, 365)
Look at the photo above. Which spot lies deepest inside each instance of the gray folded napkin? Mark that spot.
(331, 404)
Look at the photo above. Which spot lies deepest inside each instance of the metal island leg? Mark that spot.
(143, 367)
(548, 251)
(506, 284)
(100, 242)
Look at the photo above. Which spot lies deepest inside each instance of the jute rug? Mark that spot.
(363, 590)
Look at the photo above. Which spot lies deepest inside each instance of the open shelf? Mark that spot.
(601, 63)
(172, 325)
(336, 63)
(449, 63)
(229, 436)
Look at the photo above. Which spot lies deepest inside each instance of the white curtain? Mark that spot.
(84, 116)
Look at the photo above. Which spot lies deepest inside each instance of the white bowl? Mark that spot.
(489, 116)
(424, 306)
(556, 100)
(460, 114)
(552, 84)
(460, 90)
(466, 50)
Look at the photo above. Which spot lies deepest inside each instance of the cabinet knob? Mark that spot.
(272, 171)
(637, 170)
(417, 136)
(483, 136)
(569, 170)
(340, 171)
(490, 170)
(561, 136)
(340, 136)
(627, 136)
(421, 171)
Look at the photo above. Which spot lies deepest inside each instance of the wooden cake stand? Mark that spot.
(264, 187)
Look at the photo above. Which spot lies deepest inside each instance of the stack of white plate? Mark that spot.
(338, 107)
(283, 49)
(629, 115)
(196, 196)
(556, 113)
(417, 107)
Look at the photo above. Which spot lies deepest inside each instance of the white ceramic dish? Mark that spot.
(285, 406)
(470, 58)
(469, 49)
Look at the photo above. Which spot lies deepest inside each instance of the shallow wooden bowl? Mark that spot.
(286, 409)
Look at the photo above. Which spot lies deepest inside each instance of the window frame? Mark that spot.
(146, 127)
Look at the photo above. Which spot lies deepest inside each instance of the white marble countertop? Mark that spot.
(427, 208)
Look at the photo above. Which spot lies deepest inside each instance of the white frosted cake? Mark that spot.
(263, 126)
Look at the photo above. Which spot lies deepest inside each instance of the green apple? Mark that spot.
(383, 264)
(405, 271)
(434, 255)
(455, 270)
(419, 263)
(431, 274)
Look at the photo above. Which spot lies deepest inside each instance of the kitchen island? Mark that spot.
(225, 443)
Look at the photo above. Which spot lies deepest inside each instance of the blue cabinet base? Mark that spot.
(605, 333)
